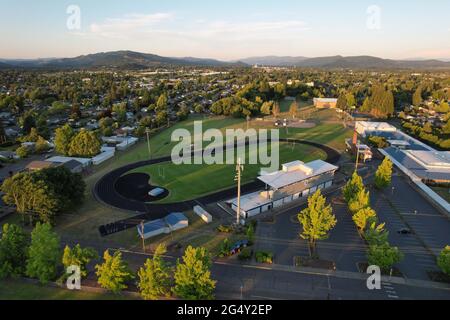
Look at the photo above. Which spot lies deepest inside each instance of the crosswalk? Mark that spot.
(390, 290)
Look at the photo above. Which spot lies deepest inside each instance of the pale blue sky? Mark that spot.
(227, 29)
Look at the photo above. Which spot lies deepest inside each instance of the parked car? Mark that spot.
(405, 231)
(238, 246)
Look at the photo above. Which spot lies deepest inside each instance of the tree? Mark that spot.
(193, 276)
(84, 144)
(317, 220)
(78, 256)
(73, 192)
(446, 128)
(428, 128)
(351, 101)
(360, 201)
(384, 256)
(161, 104)
(417, 97)
(41, 145)
(13, 251)
(113, 273)
(63, 137)
(443, 260)
(250, 233)
(154, 277)
(44, 253)
(293, 110)
(366, 105)
(29, 194)
(266, 107)
(362, 217)
(376, 234)
(342, 102)
(22, 152)
(276, 110)
(353, 186)
(383, 176)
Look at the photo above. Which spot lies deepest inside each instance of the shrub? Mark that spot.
(378, 142)
(225, 248)
(264, 257)
(443, 260)
(225, 229)
(246, 254)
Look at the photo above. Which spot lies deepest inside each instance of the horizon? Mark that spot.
(233, 60)
(225, 31)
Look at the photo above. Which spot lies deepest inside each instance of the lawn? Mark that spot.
(285, 105)
(21, 290)
(190, 181)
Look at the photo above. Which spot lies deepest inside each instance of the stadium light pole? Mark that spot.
(239, 169)
(357, 156)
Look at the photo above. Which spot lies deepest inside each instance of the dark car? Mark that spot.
(238, 246)
(405, 231)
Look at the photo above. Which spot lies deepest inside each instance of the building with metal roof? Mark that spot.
(294, 181)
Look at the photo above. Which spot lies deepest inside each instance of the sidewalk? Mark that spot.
(341, 274)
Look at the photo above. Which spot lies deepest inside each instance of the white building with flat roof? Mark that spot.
(366, 128)
(294, 181)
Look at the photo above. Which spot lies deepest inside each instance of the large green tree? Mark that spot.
(384, 256)
(155, 276)
(44, 255)
(383, 176)
(376, 234)
(353, 186)
(193, 276)
(13, 251)
(317, 220)
(63, 137)
(363, 217)
(361, 200)
(78, 256)
(85, 144)
(68, 187)
(30, 195)
(113, 273)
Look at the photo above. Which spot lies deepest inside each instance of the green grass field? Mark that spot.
(190, 181)
(285, 105)
(21, 290)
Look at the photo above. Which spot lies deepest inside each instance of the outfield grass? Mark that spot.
(21, 290)
(190, 181)
(285, 105)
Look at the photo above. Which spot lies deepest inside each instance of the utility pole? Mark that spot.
(239, 169)
(147, 131)
(357, 156)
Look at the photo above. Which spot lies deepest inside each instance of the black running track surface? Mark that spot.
(106, 192)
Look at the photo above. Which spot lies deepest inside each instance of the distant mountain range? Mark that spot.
(354, 62)
(137, 60)
(114, 59)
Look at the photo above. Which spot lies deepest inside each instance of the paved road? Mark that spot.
(251, 282)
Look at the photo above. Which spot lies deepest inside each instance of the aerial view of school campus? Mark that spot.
(187, 150)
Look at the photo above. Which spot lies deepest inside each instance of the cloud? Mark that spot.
(129, 24)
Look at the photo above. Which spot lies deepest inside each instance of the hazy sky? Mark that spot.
(226, 29)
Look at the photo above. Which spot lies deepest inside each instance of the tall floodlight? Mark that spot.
(239, 169)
